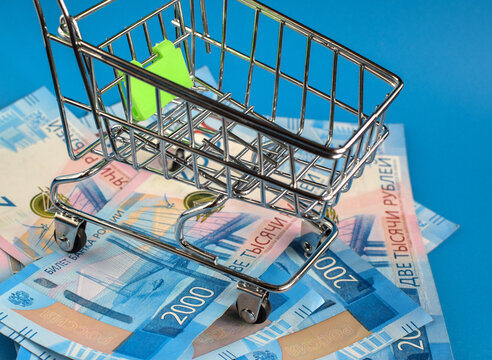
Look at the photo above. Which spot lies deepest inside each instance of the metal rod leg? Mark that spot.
(196, 211)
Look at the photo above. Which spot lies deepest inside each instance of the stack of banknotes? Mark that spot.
(370, 296)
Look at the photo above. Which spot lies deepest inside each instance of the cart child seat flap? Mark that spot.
(169, 64)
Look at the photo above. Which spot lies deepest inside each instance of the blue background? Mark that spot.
(442, 51)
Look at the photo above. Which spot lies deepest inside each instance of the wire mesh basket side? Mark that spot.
(225, 144)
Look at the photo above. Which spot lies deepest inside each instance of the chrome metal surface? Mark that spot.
(245, 155)
(249, 301)
(66, 230)
(338, 164)
(218, 202)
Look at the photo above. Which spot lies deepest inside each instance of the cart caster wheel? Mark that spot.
(263, 314)
(174, 166)
(72, 246)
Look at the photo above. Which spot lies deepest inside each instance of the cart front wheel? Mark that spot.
(72, 246)
(263, 313)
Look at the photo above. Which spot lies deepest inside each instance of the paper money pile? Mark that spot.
(370, 296)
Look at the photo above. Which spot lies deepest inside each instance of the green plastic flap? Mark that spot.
(169, 64)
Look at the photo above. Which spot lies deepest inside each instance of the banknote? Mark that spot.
(125, 294)
(394, 243)
(8, 266)
(25, 354)
(25, 348)
(33, 152)
(12, 342)
(362, 309)
(434, 228)
(97, 276)
(221, 330)
(231, 336)
(378, 221)
(283, 306)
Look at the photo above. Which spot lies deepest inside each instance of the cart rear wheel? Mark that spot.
(78, 243)
(180, 154)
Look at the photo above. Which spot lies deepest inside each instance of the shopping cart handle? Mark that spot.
(196, 211)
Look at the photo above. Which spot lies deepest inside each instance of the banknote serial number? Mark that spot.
(188, 304)
(333, 273)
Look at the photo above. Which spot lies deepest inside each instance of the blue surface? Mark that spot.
(442, 51)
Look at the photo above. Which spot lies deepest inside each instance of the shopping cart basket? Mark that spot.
(247, 156)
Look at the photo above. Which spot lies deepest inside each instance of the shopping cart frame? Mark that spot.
(347, 161)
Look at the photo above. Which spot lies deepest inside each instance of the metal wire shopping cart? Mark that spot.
(248, 156)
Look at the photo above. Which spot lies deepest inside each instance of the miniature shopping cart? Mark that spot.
(150, 65)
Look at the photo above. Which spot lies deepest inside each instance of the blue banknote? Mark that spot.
(24, 348)
(378, 221)
(434, 227)
(133, 300)
(25, 354)
(362, 310)
(141, 310)
(225, 250)
(394, 243)
(33, 152)
(229, 336)
(37, 352)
